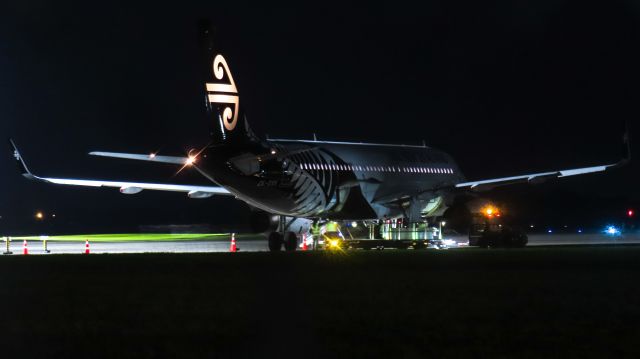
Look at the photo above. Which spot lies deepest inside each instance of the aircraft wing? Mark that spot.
(484, 185)
(125, 187)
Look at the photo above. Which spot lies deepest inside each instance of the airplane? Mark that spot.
(306, 181)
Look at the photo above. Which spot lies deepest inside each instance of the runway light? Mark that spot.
(152, 155)
(612, 231)
(549, 231)
(579, 230)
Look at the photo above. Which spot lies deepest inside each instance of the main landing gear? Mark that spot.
(277, 239)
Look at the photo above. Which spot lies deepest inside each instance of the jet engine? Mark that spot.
(261, 222)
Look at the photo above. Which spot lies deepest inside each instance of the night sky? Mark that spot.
(506, 89)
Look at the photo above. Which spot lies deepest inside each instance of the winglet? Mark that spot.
(22, 166)
(626, 138)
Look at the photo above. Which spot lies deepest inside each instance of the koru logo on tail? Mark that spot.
(226, 94)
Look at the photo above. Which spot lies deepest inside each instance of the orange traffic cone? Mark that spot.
(304, 242)
(233, 247)
(25, 249)
(86, 247)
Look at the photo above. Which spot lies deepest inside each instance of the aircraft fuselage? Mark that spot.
(333, 180)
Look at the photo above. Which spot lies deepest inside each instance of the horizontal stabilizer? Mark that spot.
(125, 187)
(150, 157)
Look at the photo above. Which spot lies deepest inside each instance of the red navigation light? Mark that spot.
(630, 213)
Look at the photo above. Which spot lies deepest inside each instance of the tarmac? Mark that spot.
(253, 245)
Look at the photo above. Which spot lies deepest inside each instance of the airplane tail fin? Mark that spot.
(222, 99)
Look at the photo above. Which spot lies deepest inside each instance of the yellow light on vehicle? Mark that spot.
(491, 211)
(39, 215)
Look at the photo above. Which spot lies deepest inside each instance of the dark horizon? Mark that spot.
(505, 90)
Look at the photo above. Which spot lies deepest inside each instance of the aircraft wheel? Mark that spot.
(290, 241)
(275, 241)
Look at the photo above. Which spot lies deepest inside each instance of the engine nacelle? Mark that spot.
(261, 222)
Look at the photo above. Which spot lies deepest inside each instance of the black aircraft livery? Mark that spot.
(310, 179)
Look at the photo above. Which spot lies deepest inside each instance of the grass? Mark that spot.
(134, 237)
(529, 303)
